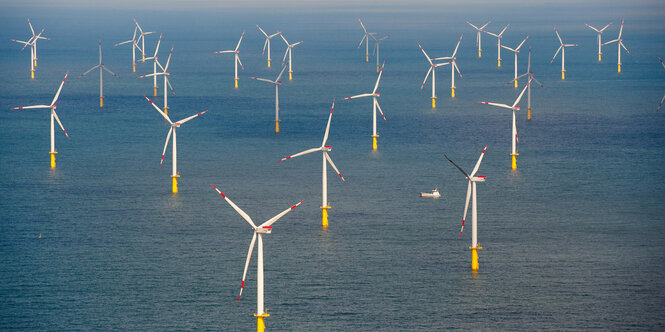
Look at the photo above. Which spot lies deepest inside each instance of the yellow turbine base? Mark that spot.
(143, 59)
(154, 91)
(528, 113)
(53, 158)
(474, 258)
(599, 57)
(480, 54)
(433, 102)
(32, 74)
(268, 63)
(377, 68)
(618, 68)
(35, 62)
(133, 68)
(260, 322)
(236, 84)
(515, 83)
(324, 216)
(498, 63)
(514, 161)
(374, 145)
(563, 74)
(290, 75)
(452, 92)
(175, 183)
(101, 101)
(166, 110)
(277, 126)
(366, 57)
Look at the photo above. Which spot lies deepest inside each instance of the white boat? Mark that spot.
(434, 193)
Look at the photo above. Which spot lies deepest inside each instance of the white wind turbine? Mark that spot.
(174, 125)
(562, 48)
(478, 38)
(142, 39)
(32, 42)
(266, 44)
(289, 48)
(377, 44)
(365, 40)
(101, 73)
(515, 139)
(471, 192)
(324, 175)
(54, 115)
(259, 231)
(529, 75)
(515, 51)
(620, 44)
(167, 82)
(134, 47)
(600, 33)
(236, 55)
(663, 99)
(498, 36)
(453, 67)
(432, 69)
(375, 105)
(154, 66)
(35, 38)
(277, 83)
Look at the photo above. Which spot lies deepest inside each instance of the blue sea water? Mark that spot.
(574, 239)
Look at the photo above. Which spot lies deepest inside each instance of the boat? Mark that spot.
(435, 193)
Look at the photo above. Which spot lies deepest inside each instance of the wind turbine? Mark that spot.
(365, 40)
(54, 115)
(166, 75)
(267, 42)
(101, 72)
(142, 39)
(529, 74)
(471, 191)
(289, 47)
(154, 66)
(600, 33)
(174, 125)
(259, 231)
(620, 44)
(513, 108)
(663, 99)
(324, 177)
(32, 42)
(377, 43)
(562, 48)
(375, 105)
(277, 83)
(432, 69)
(236, 60)
(515, 51)
(134, 47)
(478, 38)
(453, 67)
(498, 43)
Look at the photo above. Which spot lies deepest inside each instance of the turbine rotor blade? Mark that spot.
(239, 210)
(166, 144)
(249, 257)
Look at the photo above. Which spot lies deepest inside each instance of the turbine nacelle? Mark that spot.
(263, 229)
(327, 148)
(479, 178)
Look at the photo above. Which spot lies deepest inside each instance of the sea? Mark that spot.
(574, 239)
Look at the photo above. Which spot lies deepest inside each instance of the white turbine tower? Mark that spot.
(154, 66)
(277, 83)
(600, 33)
(498, 36)
(471, 192)
(324, 175)
(54, 115)
(142, 39)
(432, 69)
(453, 67)
(365, 40)
(289, 48)
(562, 48)
(515, 51)
(101, 73)
(167, 82)
(174, 125)
(236, 61)
(266, 44)
(375, 105)
(620, 44)
(377, 44)
(478, 38)
(529, 75)
(259, 231)
(134, 47)
(515, 139)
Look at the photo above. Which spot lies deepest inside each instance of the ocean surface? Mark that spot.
(572, 240)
